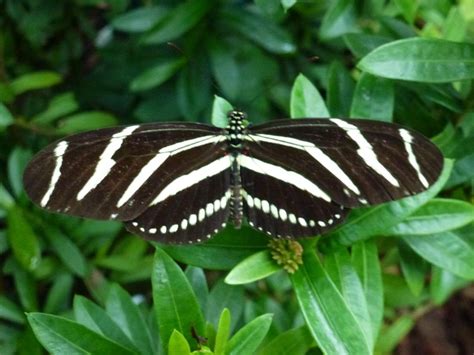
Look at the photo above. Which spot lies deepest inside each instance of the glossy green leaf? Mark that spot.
(121, 308)
(220, 109)
(340, 90)
(253, 268)
(26, 288)
(85, 121)
(414, 268)
(258, 29)
(6, 199)
(408, 9)
(362, 44)
(447, 250)
(177, 22)
(455, 25)
(393, 334)
(397, 294)
(156, 75)
(306, 101)
(59, 294)
(33, 81)
(96, 319)
(59, 106)
(319, 301)
(223, 332)
(227, 70)
(178, 345)
(287, 4)
(22, 239)
(17, 161)
(339, 267)
(141, 19)
(463, 171)
(223, 251)
(6, 117)
(338, 20)
(249, 337)
(367, 222)
(67, 251)
(225, 296)
(293, 341)
(198, 282)
(444, 284)
(365, 259)
(10, 311)
(63, 336)
(437, 215)
(175, 304)
(373, 98)
(421, 59)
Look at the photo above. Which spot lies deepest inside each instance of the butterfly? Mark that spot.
(183, 182)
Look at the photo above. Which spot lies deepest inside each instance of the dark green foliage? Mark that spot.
(90, 287)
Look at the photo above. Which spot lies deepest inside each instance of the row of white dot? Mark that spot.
(269, 208)
(208, 211)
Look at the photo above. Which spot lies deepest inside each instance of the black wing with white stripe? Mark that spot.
(181, 182)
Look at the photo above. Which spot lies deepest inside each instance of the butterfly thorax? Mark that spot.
(234, 131)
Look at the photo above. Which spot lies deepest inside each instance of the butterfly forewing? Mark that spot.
(355, 162)
(116, 173)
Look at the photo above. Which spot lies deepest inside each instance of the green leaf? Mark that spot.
(178, 345)
(175, 304)
(222, 252)
(249, 337)
(306, 101)
(368, 222)
(437, 215)
(67, 251)
(59, 106)
(177, 22)
(293, 341)
(455, 25)
(253, 268)
(408, 9)
(373, 98)
(414, 268)
(225, 296)
(6, 199)
(86, 121)
(447, 250)
(121, 308)
(17, 161)
(421, 59)
(220, 109)
(63, 336)
(397, 294)
(198, 282)
(392, 335)
(340, 90)
(10, 311)
(339, 264)
(319, 301)
(141, 19)
(96, 319)
(156, 75)
(223, 332)
(361, 44)
(6, 117)
(25, 286)
(444, 284)
(258, 29)
(339, 19)
(227, 69)
(365, 258)
(59, 294)
(22, 239)
(33, 81)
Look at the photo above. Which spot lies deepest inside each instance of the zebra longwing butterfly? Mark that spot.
(182, 182)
